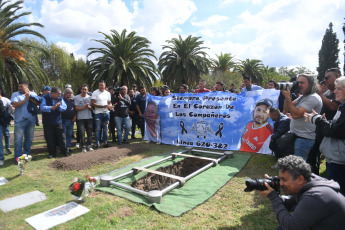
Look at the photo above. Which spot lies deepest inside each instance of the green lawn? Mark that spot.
(229, 208)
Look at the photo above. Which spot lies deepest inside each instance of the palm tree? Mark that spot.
(223, 63)
(252, 68)
(183, 62)
(125, 59)
(16, 63)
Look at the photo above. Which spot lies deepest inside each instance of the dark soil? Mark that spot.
(101, 156)
(182, 168)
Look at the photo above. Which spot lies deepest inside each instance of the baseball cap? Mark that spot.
(47, 88)
(266, 101)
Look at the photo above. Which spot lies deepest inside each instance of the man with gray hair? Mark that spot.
(308, 101)
(315, 201)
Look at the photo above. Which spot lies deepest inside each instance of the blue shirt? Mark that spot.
(252, 88)
(21, 113)
(46, 108)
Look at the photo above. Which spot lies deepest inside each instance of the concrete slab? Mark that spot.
(22, 201)
(57, 216)
(3, 181)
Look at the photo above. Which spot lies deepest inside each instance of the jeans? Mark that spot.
(101, 120)
(123, 121)
(23, 129)
(336, 172)
(6, 134)
(82, 125)
(2, 157)
(68, 129)
(302, 147)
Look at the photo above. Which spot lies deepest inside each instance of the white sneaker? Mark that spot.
(84, 150)
(1, 162)
(90, 148)
(77, 145)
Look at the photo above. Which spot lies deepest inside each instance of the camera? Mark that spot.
(259, 184)
(284, 85)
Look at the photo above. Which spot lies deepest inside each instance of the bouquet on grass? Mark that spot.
(80, 189)
(23, 162)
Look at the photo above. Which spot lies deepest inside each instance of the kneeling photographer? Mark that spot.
(315, 201)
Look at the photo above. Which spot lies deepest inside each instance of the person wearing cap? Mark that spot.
(257, 135)
(46, 90)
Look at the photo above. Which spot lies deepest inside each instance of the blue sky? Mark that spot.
(280, 33)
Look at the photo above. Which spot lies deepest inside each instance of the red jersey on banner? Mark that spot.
(254, 138)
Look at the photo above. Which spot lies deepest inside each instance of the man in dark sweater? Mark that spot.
(122, 102)
(52, 106)
(316, 202)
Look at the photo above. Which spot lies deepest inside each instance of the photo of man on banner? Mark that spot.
(257, 135)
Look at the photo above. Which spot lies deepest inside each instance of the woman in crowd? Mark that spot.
(333, 132)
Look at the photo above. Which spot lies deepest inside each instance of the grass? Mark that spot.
(229, 208)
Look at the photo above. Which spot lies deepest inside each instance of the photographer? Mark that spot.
(304, 131)
(317, 202)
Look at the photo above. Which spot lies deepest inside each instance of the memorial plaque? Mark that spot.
(22, 201)
(57, 216)
(3, 181)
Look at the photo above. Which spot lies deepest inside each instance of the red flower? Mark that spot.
(76, 187)
(94, 180)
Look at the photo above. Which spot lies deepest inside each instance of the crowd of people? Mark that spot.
(314, 114)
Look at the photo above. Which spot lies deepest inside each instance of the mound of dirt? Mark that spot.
(157, 182)
(100, 156)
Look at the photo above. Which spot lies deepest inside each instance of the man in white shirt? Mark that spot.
(101, 101)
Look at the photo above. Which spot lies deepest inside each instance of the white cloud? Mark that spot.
(284, 32)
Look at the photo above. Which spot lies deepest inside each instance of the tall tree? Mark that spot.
(329, 52)
(16, 63)
(183, 62)
(125, 58)
(252, 68)
(223, 63)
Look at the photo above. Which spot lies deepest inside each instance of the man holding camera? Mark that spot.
(316, 202)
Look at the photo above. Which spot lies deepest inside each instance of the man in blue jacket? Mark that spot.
(52, 106)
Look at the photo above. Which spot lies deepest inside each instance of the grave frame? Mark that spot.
(155, 196)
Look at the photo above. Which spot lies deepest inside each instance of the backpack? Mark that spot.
(5, 116)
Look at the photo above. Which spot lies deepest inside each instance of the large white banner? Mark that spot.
(217, 120)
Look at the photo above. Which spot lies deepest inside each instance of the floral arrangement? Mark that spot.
(23, 162)
(80, 189)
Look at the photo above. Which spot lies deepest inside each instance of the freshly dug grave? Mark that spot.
(182, 168)
(87, 160)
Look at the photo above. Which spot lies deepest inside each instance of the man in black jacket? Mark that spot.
(317, 202)
(122, 103)
(281, 126)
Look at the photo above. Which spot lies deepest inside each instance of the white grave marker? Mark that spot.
(22, 201)
(3, 181)
(57, 216)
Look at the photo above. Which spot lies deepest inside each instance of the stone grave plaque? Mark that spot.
(57, 216)
(22, 201)
(3, 181)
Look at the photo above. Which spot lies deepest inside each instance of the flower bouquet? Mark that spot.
(23, 162)
(80, 189)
